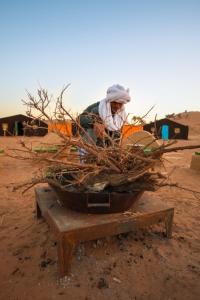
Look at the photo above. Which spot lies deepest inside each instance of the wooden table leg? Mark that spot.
(169, 223)
(38, 211)
(65, 250)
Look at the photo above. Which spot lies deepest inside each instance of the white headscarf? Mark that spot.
(115, 93)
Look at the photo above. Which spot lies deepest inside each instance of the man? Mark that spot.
(107, 116)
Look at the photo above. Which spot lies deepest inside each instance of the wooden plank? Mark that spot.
(116, 227)
(68, 220)
(65, 250)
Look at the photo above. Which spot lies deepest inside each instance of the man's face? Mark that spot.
(115, 107)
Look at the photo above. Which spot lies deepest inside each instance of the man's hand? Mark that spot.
(99, 130)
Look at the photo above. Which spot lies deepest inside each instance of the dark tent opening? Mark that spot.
(19, 128)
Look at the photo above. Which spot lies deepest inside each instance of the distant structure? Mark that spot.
(64, 127)
(19, 125)
(167, 129)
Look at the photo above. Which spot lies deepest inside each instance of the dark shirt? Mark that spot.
(89, 116)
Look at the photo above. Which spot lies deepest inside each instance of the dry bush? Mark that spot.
(109, 168)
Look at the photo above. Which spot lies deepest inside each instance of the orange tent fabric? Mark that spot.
(63, 127)
(66, 128)
(128, 129)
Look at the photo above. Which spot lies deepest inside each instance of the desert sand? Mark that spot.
(139, 265)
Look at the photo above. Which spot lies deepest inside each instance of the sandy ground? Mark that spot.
(140, 265)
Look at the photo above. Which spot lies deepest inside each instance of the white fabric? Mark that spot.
(118, 93)
(115, 93)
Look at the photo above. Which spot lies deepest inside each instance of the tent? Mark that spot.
(167, 129)
(65, 127)
(19, 125)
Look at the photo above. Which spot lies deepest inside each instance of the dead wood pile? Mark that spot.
(91, 168)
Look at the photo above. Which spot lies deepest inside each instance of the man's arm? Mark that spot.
(89, 116)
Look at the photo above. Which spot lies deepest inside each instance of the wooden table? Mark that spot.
(71, 227)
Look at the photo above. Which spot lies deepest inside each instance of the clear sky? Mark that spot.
(152, 47)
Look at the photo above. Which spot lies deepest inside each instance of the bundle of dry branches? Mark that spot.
(113, 168)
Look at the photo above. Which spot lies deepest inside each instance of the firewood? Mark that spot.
(111, 168)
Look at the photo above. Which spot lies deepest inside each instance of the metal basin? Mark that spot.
(96, 203)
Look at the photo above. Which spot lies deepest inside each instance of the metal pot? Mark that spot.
(96, 203)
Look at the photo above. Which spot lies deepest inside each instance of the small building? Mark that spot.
(167, 129)
(19, 125)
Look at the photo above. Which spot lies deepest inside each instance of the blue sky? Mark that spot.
(152, 47)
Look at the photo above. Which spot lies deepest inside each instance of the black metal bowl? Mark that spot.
(96, 203)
